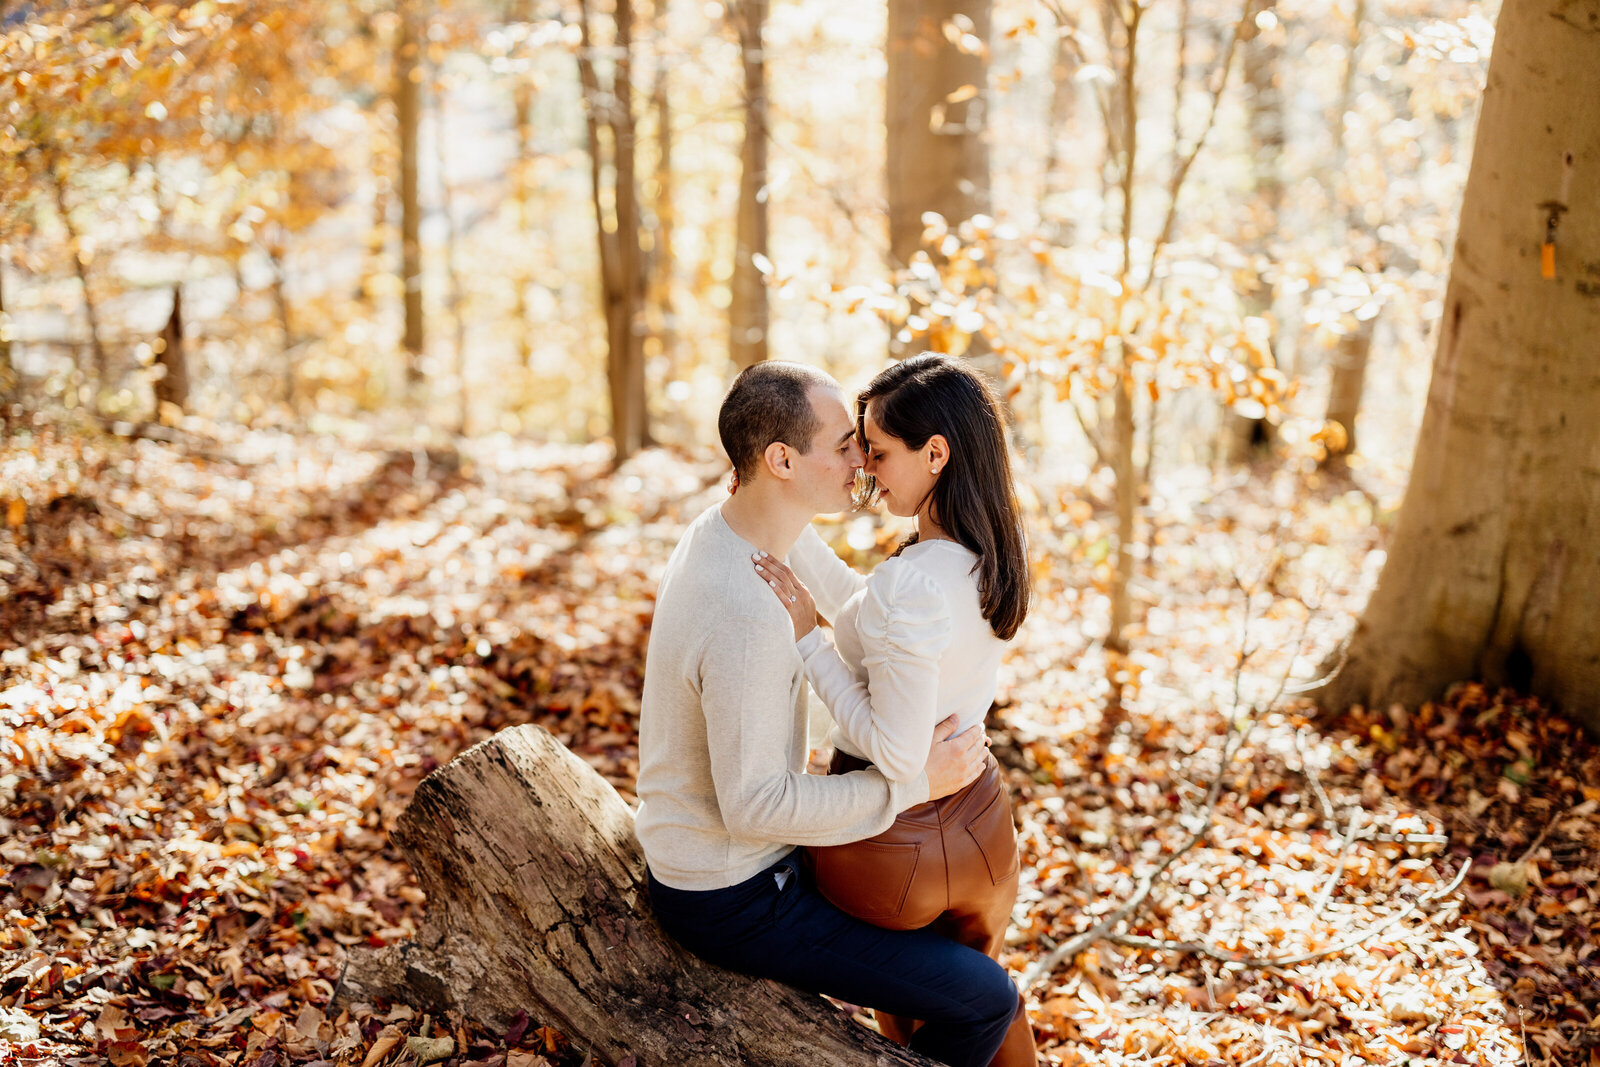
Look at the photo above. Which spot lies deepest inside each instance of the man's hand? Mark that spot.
(954, 762)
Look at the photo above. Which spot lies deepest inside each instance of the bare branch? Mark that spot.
(1181, 172)
(1200, 948)
(1233, 738)
(1326, 893)
(1074, 945)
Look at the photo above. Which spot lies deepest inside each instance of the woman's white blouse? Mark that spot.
(911, 646)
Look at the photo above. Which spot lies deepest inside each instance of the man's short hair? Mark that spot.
(768, 402)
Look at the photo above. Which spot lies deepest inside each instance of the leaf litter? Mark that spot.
(228, 668)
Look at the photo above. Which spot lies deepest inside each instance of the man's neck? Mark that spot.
(764, 519)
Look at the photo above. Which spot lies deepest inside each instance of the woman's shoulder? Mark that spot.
(903, 588)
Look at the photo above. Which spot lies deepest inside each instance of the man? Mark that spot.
(724, 796)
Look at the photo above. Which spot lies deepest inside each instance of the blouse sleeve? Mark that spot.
(904, 626)
(830, 579)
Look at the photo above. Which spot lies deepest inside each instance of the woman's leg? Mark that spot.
(790, 933)
(984, 869)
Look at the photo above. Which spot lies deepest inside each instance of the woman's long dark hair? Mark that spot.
(974, 500)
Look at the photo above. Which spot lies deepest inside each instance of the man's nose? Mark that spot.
(858, 458)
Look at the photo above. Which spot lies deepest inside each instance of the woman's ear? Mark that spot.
(777, 461)
(938, 452)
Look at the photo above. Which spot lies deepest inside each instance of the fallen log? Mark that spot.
(536, 901)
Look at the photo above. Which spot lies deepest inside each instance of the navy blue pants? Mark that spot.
(789, 932)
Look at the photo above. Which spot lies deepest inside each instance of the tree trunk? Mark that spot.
(1348, 373)
(1493, 570)
(1128, 493)
(91, 313)
(452, 249)
(172, 387)
(610, 123)
(1125, 144)
(748, 312)
(1062, 133)
(376, 264)
(1249, 433)
(9, 379)
(277, 255)
(1344, 391)
(937, 158)
(522, 128)
(408, 115)
(537, 903)
(662, 264)
(937, 112)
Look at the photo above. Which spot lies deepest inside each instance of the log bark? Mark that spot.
(537, 902)
(1493, 572)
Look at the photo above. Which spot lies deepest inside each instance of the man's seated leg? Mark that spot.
(791, 933)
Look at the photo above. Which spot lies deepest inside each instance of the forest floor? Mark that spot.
(225, 666)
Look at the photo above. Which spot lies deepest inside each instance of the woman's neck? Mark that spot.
(929, 530)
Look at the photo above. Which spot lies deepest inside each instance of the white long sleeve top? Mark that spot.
(910, 647)
(723, 788)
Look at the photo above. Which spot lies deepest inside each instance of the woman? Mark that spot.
(920, 639)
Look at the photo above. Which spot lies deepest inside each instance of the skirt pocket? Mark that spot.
(992, 831)
(867, 879)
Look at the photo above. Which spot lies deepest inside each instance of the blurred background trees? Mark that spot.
(641, 196)
(1182, 234)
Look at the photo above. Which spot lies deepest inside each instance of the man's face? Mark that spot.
(827, 473)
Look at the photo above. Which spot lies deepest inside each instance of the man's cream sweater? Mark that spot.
(723, 789)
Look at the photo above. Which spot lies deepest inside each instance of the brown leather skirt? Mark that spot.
(955, 853)
(949, 865)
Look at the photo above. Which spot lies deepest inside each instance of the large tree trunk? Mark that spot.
(408, 116)
(1493, 572)
(748, 313)
(937, 113)
(537, 903)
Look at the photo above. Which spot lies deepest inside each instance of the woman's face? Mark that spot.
(905, 477)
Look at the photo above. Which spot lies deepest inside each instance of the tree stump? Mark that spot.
(537, 902)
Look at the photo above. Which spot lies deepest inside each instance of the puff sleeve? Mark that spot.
(904, 625)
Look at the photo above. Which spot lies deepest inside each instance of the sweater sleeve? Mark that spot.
(762, 793)
(904, 626)
(830, 579)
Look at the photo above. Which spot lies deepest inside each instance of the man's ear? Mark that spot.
(937, 450)
(778, 460)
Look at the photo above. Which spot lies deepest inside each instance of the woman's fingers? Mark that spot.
(779, 577)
